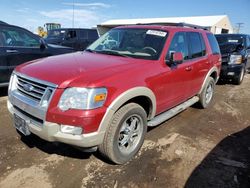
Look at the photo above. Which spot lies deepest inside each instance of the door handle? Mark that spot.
(189, 68)
(11, 51)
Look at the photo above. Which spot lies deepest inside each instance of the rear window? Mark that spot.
(213, 43)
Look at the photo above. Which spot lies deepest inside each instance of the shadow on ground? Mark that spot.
(54, 147)
(3, 91)
(227, 165)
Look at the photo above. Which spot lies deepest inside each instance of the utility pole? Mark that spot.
(239, 26)
(73, 16)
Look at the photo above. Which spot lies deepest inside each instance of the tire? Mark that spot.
(125, 134)
(207, 93)
(239, 78)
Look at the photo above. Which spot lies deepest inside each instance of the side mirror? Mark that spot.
(175, 58)
(239, 47)
(42, 44)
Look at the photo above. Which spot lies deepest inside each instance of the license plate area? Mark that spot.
(21, 125)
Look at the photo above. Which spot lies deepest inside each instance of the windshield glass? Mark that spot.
(230, 39)
(136, 43)
(56, 33)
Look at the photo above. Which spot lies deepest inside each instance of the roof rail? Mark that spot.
(1, 22)
(180, 24)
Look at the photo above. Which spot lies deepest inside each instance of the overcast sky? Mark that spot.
(32, 13)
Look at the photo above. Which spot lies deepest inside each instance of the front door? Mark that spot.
(175, 81)
(20, 46)
(4, 69)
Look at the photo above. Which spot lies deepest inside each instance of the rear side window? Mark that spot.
(197, 49)
(213, 43)
(83, 34)
(92, 34)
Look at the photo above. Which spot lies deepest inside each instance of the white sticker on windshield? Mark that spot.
(62, 31)
(157, 33)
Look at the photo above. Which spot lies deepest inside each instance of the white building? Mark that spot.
(216, 24)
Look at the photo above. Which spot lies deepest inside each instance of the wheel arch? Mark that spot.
(140, 95)
(214, 73)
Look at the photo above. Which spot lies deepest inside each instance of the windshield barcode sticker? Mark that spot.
(157, 33)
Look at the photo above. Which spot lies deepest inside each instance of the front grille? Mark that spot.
(33, 89)
(31, 117)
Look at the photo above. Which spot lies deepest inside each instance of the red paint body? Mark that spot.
(118, 74)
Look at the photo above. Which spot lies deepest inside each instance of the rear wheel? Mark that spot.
(125, 134)
(207, 93)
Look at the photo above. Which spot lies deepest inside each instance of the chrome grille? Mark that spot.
(32, 89)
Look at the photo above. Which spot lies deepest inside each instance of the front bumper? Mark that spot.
(51, 131)
(230, 70)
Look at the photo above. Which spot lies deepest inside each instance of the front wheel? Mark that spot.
(125, 134)
(239, 78)
(207, 93)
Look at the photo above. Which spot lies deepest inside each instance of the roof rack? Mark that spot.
(180, 24)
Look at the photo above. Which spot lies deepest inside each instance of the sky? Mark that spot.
(88, 13)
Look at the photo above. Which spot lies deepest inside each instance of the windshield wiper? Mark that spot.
(109, 52)
(89, 50)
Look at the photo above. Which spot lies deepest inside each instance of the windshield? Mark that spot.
(230, 39)
(136, 43)
(56, 33)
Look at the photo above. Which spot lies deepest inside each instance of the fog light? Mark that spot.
(71, 130)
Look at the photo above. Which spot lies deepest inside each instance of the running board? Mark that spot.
(172, 112)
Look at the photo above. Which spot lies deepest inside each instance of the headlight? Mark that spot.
(12, 83)
(235, 59)
(82, 98)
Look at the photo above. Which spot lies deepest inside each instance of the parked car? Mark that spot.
(18, 45)
(78, 39)
(130, 78)
(235, 50)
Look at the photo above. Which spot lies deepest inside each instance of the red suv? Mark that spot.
(106, 97)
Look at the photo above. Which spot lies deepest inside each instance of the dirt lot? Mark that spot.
(197, 148)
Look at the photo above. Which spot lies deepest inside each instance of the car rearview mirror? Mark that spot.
(42, 44)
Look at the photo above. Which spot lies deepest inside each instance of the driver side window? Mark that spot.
(179, 44)
(18, 38)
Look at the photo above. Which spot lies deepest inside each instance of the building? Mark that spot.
(216, 24)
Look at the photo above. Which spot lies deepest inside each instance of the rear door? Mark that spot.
(20, 46)
(83, 38)
(71, 39)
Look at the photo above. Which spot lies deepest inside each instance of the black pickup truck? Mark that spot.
(235, 52)
(18, 45)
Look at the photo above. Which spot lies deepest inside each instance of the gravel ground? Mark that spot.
(197, 148)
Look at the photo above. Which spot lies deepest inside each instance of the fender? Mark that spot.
(212, 70)
(123, 98)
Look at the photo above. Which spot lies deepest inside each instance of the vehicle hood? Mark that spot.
(226, 48)
(58, 46)
(78, 69)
